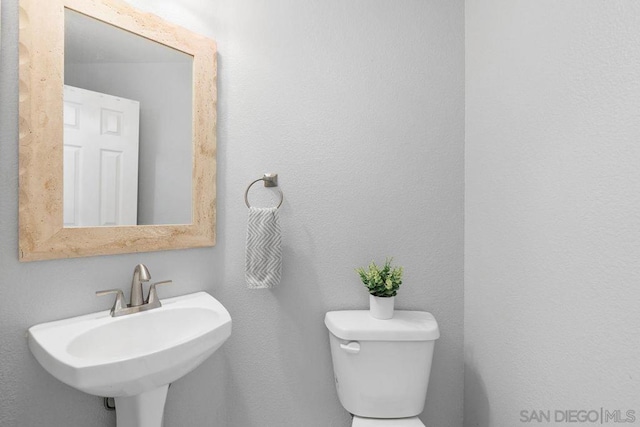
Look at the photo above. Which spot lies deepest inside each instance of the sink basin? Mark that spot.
(132, 355)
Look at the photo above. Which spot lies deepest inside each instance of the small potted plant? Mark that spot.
(382, 284)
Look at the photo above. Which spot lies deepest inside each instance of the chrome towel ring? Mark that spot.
(270, 180)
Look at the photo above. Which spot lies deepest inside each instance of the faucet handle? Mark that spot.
(119, 303)
(152, 298)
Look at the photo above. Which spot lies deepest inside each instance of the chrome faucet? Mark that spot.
(138, 303)
(140, 274)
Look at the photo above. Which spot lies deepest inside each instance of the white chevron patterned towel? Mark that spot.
(263, 267)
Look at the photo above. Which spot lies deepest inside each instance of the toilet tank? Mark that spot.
(382, 367)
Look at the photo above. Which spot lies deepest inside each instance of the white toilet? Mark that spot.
(382, 367)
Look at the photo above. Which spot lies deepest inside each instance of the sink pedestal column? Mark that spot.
(142, 410)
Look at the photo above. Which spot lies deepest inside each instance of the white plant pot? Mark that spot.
(381, 307)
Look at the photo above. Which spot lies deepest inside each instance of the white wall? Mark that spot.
(552, 212)
(359, 107)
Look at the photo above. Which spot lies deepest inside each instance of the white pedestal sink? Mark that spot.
(133, 358)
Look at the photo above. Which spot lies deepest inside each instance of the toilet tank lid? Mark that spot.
(358, 325)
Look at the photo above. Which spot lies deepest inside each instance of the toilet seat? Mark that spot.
(386, 422)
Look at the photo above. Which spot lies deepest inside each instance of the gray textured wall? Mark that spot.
(552, 214)
(359, 107)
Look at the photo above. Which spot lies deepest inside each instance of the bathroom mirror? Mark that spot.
(117, 131)
(127, 127)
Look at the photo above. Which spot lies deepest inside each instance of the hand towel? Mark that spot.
(263, 267)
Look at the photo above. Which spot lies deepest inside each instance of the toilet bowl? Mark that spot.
(388, 422)
(382, 367)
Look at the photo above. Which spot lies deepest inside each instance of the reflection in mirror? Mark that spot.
(127, 128)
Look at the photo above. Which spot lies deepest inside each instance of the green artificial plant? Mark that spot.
(381, 282)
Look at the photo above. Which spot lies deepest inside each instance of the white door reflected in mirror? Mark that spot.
(100, 159)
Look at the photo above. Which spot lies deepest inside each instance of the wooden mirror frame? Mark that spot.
(41, 54)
